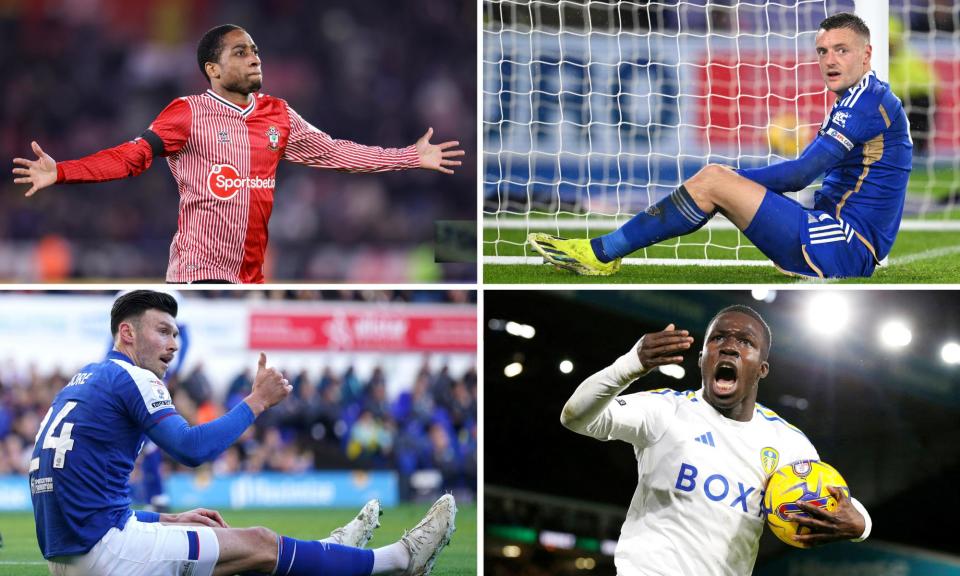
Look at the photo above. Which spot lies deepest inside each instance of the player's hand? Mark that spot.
(269, 387)
(438, 156)
(200, 516)
(39, 173)
(664, 347)
(845, 523)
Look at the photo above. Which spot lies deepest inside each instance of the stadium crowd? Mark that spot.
(331, 421)
(376, 73)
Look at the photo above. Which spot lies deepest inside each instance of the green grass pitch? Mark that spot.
(918, 257)
(20, 555)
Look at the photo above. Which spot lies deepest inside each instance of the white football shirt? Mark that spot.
(697, 508)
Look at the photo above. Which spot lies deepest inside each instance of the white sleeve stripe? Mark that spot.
(153, 392)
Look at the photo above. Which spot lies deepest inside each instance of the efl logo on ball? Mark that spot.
(803, 481)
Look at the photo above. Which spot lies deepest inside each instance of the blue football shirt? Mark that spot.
(869, 131)
(85, 452)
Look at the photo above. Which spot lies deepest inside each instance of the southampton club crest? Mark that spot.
(274, 135)
(769, 457)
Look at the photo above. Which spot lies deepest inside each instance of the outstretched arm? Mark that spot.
(438, 156)
(585, 410)
(792, 175)
(38, 173)
(308, 145)
(164, 137)
(194, 445)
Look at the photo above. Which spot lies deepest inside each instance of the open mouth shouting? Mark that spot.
(724, 378)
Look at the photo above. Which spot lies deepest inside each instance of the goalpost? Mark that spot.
(593, 111)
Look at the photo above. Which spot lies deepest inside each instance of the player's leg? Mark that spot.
(714, 188)
(263, 551)
(145, 549)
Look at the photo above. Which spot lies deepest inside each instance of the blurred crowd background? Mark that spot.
(351, 410)
(83, 75)
(332, 420)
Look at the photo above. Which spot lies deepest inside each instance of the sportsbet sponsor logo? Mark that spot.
(224, 181)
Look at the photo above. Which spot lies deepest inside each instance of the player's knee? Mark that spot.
(264, 542)
(707, 184)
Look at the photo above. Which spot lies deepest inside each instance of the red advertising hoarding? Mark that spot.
(358, 330)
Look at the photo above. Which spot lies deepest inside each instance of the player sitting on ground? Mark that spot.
(863, 146)
(697, 509)
(223, 148)
(89, 440)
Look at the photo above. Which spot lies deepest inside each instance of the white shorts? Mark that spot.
(146, 549)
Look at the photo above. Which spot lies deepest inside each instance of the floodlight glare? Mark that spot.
(950, 353)
(895, 334)
(566, 366)
(512, 369)
(511, 551)
(828, 313)
(521, 330)
(764, 295)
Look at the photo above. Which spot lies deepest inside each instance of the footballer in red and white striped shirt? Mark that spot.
(223, 148)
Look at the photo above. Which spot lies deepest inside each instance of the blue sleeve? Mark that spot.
(796, 174)
(847, 127)
(147, 517)
(194, 445)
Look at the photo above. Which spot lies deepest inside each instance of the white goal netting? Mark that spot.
(594, 110)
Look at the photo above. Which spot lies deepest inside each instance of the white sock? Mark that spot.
(390, 558)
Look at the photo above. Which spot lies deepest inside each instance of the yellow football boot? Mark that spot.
(575, 255)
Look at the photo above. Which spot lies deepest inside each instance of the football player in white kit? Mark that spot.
(703, 457)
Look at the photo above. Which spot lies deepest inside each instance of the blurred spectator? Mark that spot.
(915, 81)
(319, 427)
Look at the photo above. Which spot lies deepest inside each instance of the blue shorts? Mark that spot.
(808, 242)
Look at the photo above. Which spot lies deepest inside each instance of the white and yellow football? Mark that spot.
(804, 480)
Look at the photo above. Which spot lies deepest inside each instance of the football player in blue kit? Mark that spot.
(863, 147)
(86, 448)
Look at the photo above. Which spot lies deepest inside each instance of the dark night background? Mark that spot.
(888, 420)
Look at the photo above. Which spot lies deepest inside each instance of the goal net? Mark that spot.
(593, 111)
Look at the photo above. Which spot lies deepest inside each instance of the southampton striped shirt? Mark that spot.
(224, 159)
